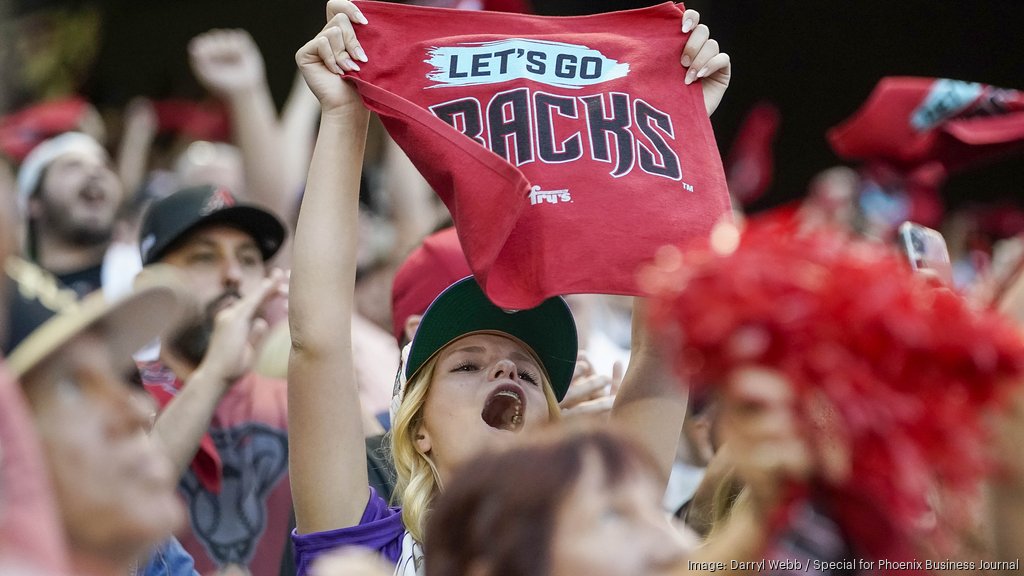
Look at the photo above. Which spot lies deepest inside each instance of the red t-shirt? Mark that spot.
(31, 533)
(237, 490)
(567, 149)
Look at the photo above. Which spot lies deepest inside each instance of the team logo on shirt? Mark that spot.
(230, 523)
(552, 63)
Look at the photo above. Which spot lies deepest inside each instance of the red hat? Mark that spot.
(431, 268)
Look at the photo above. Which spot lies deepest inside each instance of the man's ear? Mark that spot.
(35, 207)
(411, 324)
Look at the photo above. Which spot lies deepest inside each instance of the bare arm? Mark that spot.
(237, 335)
(180, 426)
(326, 450)
(140, 126)
(298, 131)
(229, 64)
(1006, 492)
(651, 403)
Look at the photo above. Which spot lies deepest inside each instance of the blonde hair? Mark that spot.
(417, 481)
(730, 495)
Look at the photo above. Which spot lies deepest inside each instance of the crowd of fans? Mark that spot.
(200, 358)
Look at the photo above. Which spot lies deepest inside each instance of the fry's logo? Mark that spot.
(538, 196)
(553, 63)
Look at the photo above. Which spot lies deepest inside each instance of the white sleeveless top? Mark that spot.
(410, 562)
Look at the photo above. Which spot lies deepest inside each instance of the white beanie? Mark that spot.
(45, 153)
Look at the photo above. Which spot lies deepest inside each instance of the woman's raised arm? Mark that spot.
(326, 450)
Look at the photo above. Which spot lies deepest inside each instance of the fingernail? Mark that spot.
(690, 76)
(360, 18)
(687, 25)
(352, 64)
(686, 61)
(360, 54)
(703, 72)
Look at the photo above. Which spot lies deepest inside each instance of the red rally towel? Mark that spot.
(22, 131)
(206, 464)
(567, 149)
(913, 121)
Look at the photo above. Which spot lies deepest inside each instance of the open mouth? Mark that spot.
(505, 408)
(93, 193)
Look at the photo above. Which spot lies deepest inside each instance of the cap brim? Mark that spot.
(462, 309)
(128, 324)
(263, 226)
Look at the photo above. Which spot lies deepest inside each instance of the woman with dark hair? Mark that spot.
(581, 503)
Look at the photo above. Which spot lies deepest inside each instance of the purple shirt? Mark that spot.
(379, 529)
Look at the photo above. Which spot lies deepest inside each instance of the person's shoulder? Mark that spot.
(379, 528)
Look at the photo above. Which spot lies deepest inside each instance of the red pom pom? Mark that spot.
(909, 368)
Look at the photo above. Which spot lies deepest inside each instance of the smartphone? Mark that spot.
(926, 251)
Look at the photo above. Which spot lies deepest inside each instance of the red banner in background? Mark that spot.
(567, 149)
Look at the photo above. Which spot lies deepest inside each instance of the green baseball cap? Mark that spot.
(463, 308)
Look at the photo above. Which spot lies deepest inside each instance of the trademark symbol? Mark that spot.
(687, 187)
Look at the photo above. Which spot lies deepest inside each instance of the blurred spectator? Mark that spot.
(845, 357)
(572, 502)
(273, 154)
(912, 133)
(30, 535)
(113, 485)
(587, 503)
(70, 195)
(237, 485)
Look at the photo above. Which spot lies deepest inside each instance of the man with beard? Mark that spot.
(236, 484)
(69, 195)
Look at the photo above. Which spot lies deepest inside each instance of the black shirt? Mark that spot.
(83, 281)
